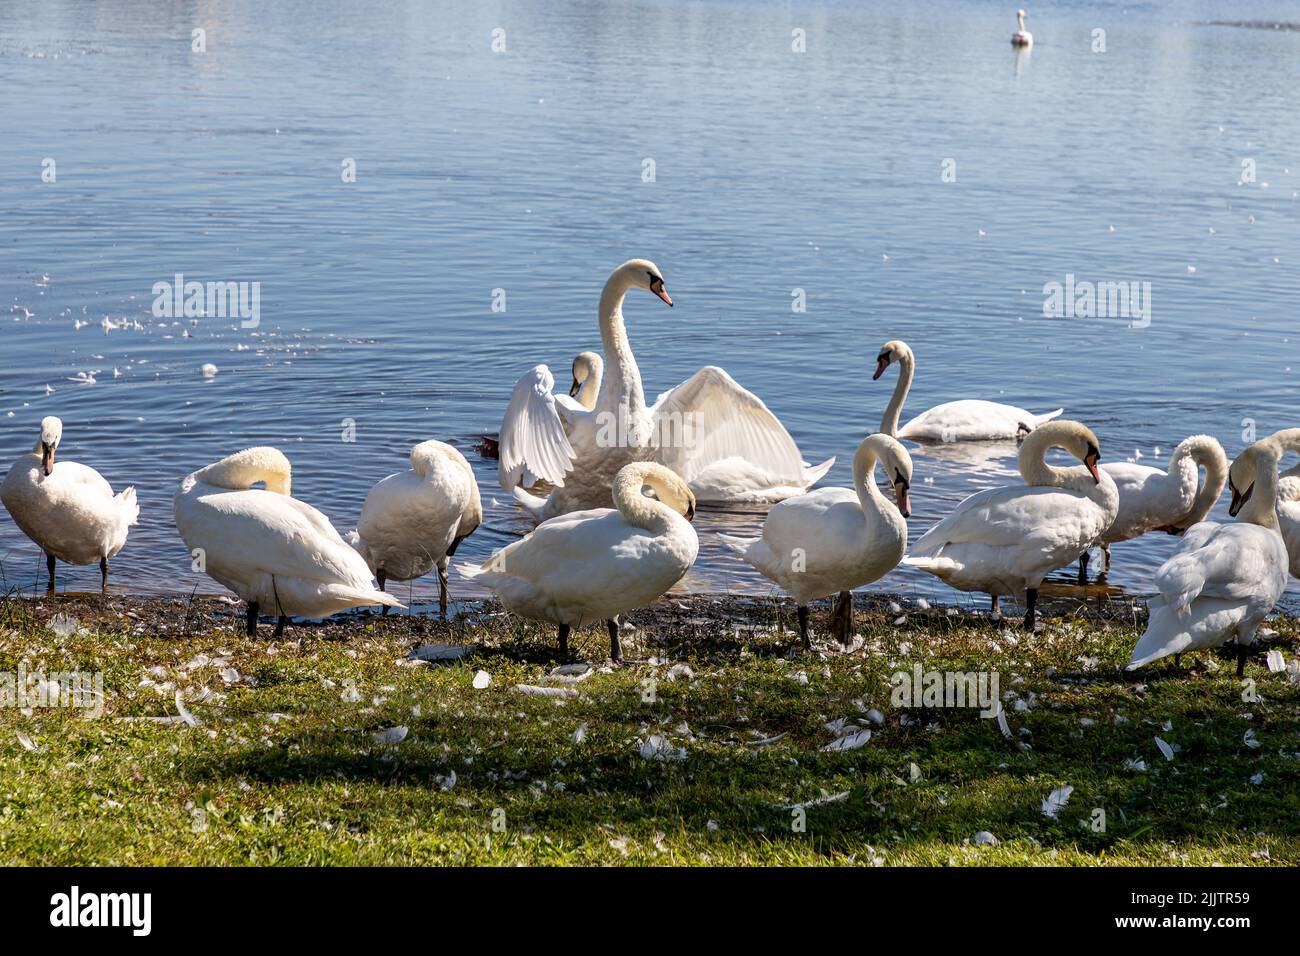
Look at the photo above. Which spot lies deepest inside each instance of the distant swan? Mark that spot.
(269, 548)
(415, 520)
(1152, 499)
(965, 420)
(1022, 37)
(588, 371)
(68, 509)
(833, 540)
(1006, 540)
(1225, 578)
(1288, 496)
(716, 435)
(595, 565)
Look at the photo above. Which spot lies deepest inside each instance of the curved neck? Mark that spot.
(864, 478)
(906, 369)
(591, 387)
(1261, 509)
(1035, 470)
(1208, 454)
(1288, 439)
(637, 509)
(240, 472)
(623, 384)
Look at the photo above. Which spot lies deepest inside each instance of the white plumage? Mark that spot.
(594, 565)
(272, 550)
(67, 508)
(1288, 497)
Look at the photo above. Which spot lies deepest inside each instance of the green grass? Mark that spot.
(285, 769)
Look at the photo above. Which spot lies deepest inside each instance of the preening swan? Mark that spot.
(266, 546)
(966, 420)
(67, 508)
(1171, 500)
(588, 371)
(1021, 37)
(716, 435)
(1224, 578)
(1288, 496)
(833, 540)
(595, 565)
(1006, 540)
(415, 520)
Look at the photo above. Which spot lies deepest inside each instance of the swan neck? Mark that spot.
(1261, 509)
(1036, 472)
(906, 369)
(622, 386)
(591, 387)
(1208, 454)
(864, 479)
(238, 475)
(637, 509)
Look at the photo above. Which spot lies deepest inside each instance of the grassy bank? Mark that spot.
(711, 750)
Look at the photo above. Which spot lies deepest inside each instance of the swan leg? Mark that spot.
(803, 627)
(381, 576)
(442, 592)
(1178, 660)
(279, 626)
(1083, 568)
(615, 648)
(1105, 567)
(103, 574)
(1031, 599)
(1241, 659)
(564, 640)
(842, 618)
(995, 605)
(250, 626)
(49, 566)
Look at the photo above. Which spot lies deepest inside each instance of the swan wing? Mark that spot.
(1008, 517)
(533, 435)
(709, 418)
(1225, 561)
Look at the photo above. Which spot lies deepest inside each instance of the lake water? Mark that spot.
(522, 170)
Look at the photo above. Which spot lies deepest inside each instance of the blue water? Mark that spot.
(522, 170)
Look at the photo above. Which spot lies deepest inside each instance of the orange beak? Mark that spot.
(904, 500)
(47, 458)
(657, 287)
(1091, 462)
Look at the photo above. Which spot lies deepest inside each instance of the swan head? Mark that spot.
(892, 351)
(586, 365)
(51, 435)
(1245, 471)
(644, 274)
(660, 483)
(1075, 437)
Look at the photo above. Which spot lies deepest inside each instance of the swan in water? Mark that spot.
(1288, 496)
(266, 546)
(1021, 37)
(595, 565)
(965, 420)
(588, 371)
(68, 509)
(1155, 500)
(1225, 578)
(716, 435)
(415, 520)
(1006, 540)
(833, 540)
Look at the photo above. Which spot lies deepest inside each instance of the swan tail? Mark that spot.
(363, 596)
(534, 505)
(1036, 420)
(740, 545)
(1165, 635)
(130, 508)
(814, 473)
(931, 563)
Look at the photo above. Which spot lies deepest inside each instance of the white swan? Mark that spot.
(833, 540)
(1154, 500)
(1224, 578)
(1006, 540)
(415, 520)
(595, 565)
(1021, 37)
(1288, 496)
(716, 435)
(68, 509)
(588, 372)
(966, 420)
(269, 548)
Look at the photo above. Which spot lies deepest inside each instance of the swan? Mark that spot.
(68, 509)
(1155, 500)
(588, 371)
(595, 565)
(833, 540)
(1006, 540)
(269, 548)
(1022, 37)
(1225, 578)
(415, 520)
(717, 436)
(966, 420)
(1288, 496)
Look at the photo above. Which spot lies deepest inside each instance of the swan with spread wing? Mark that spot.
(719, 437)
